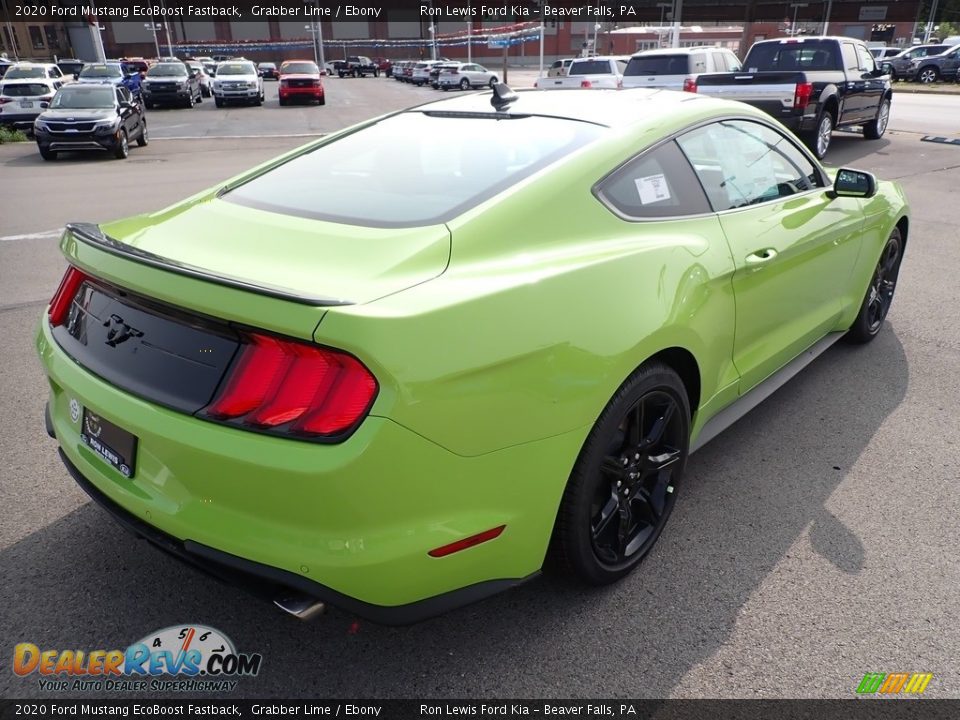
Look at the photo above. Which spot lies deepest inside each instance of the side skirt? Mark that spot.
(733, 412)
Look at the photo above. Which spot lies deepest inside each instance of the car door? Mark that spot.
(853, 105)
(874, 83)
(950, 65)
(793, 246)
(128, 117)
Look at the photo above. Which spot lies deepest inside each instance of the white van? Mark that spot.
(671, 68)
(952, 40)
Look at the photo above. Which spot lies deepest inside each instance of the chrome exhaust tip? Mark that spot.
(302, 607)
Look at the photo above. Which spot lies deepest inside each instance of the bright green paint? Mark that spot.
(497, 340)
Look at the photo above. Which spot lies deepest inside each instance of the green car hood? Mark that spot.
(306, 257)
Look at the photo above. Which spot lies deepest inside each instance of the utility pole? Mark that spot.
(930, 21)
(97, 38)
(826, 18)
(677, 13)
(322, 63)
(166, 29)
(469, 34)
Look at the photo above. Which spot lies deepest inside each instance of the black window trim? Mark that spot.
(597, 190)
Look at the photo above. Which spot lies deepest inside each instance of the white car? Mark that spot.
(206, 82)
(35, 71)
(237, 81)
(559, 67)
(466, 76)
(677, 68)
(22, 100)
(421, 72)
(591, 72)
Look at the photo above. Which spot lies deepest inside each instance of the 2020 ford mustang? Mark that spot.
(394, 369)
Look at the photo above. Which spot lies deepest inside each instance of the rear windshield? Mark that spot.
(83, 97)
(301, 67)
(168, 70)
(590, 67)
(658, 65)
(24, 89)
(25, 72)
(101, 71)
(413, 169)
(805, 55)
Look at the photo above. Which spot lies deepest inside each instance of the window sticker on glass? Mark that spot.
(652, 189)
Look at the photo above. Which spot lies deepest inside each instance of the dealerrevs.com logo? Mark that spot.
(181, 658)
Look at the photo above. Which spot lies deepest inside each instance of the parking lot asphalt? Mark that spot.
(812, 542)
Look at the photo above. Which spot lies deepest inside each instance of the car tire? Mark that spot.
(122, 150)
(190, 101)
(464, 84)
(376, 73)
(879, 296)
(218, 102)
(283, 102)
(875, 129)
(493, 82)
(927, 75)
(48, 155)
(819, 140)
(150, 106)
(622, 488)
(144, 138)
(340, 75)
(322, 100)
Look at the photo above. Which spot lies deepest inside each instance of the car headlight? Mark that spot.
(106, 123)
(39, 125)
(252, 84)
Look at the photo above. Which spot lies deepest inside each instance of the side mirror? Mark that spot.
(44, 105)
(76, 76)
(854, 183)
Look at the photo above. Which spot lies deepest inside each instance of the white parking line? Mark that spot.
(33, 236)
(154, 136)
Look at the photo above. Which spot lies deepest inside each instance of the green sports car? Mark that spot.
(395, 369)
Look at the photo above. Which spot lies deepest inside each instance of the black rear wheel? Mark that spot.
(623, 486)
(144, 136)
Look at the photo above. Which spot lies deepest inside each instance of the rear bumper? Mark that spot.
(20, 121)
(349, 523)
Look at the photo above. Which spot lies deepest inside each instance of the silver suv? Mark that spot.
(673, 68)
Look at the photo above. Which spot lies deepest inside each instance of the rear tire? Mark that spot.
(879, 296)
(819, 140)
(122, 150)
(464, 84)
(144, 138)
(928, 75)
(622, 488)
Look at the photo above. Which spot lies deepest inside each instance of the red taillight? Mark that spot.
(586, 84)
(689, 85)
(5, 100)
(46, 98)
(312, 390)
(63, 297)
(467, 542)
(801, 96)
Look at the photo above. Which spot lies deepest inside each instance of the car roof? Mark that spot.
(26, 81)
(602, 57)
(611, 108)
(677, 51)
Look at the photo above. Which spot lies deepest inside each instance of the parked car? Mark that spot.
(268, 70)
(934, 67)
(435, 72)
(882, 53)
(592, 72)
(112, 73)
(237, 81)
(70, 67)
(466, 76)
(811, 85)
(36, 71)
(398, 70)
(559, 67)
(672, 69)
(171, 83)
(4, 66)
(329, 68)
(578, 417)
(21, 101)
(420, 73)
(300, 80)
(384, 65)
(359, 66)
(141, 65)
(206, 82)
(91, 117)
(899, 65)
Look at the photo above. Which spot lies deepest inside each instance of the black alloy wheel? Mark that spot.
(879, 297)
(624, 485)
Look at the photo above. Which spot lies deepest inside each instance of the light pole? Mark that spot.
(663, 8)
(930, 20)
(826, 18)
(156, 44)
(166, 29)
(676, 19)
(433, 40)
(596, 29)
(469, 33)
(323, 60)
(793, 28)
(311, 28)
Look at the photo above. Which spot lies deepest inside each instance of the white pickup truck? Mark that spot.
(592, 72)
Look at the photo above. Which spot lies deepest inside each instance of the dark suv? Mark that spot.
(899, 65)
(359, 66)
(171, 83)
(90, 117)
(935, 67)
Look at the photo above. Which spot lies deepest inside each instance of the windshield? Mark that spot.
(168, 70)
(24, 89)
(25, 72)
(101, 71)
(805, 55)
(301, 67)
(658, 65)
(414, 169)
(236, 69)
(83, 96)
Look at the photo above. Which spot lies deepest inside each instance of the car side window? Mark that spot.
(867, 63)
(740, 162)
(658, 183)
(850, 61)
(733, 62)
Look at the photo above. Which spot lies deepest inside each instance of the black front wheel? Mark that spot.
(879, 296)
(121, 150)
(624, 485)
(144, 137)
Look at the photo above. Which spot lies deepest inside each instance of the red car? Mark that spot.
(300, 80)
(384, 65)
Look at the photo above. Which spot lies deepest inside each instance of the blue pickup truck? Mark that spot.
(112, 73)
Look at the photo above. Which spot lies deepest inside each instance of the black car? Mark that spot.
(90, 117)
(268, 70)
(171, 83)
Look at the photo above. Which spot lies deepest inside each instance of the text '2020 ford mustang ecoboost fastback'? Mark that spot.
(360, 374)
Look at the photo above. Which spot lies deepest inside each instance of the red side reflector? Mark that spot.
(586, 84)
(63, 297)
(276, 382)
(801, 95)
(689, 85)
(468, 542)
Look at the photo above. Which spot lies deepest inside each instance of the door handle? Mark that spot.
(761, 256)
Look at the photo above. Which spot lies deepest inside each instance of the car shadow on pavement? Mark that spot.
(749, 499)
